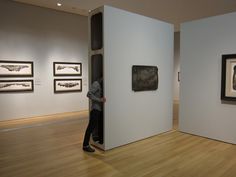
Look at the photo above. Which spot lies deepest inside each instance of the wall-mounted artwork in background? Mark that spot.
(16, 68)
(67, 69)
(67, 85)
(228, 77)
(16, 85)
(144, 78)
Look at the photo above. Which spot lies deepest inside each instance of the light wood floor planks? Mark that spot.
(53, 149)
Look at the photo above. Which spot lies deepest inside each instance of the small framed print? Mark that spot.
(67, 69)
(16, 68)
(228, 77)
(16, 85)
(67, 85)
(178, 76)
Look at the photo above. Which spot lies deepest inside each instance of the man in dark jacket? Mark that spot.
(96, 96)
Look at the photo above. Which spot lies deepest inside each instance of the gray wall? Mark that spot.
(201, 110)
(43, 36)
(131, 39)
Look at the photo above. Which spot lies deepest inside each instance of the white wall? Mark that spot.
(176, 83)
(43, 36)
(201, 110)
(131, 39)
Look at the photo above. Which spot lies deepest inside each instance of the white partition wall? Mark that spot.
(131, 39)
(203, 42)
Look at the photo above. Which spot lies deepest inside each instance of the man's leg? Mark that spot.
(91, 126)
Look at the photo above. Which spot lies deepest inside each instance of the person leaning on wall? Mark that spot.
(97, 99)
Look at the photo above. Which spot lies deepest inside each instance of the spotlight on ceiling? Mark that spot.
(59, 4)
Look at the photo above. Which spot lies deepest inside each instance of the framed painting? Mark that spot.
(178, 76)
(67, 69)
(16, 85)
(67, 85)
(16, 68)
(228, 77)
(144, 78)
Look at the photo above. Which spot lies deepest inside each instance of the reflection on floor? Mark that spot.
(53, 149)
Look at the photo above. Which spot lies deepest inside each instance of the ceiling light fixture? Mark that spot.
(59, 4)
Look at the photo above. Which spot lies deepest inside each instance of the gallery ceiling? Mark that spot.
(172, 11)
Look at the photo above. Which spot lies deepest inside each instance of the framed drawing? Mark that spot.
(67, 69)
(16, 68)
(228, 77)
(67, 85)
(144, 78)
(178, 76)
(16, 85)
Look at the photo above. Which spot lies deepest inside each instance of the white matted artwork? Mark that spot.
(16, 68)
(228, 86)
(67, 69)
(16, 85)
(67, 85)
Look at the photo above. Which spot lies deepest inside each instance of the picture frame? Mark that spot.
(228, 77)
(178, 76)
(67, 69)
(144, 78)
(67, 85)
(16, 68)
(16, 86)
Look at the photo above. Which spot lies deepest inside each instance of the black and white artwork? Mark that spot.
(67, 85)
(67, 69)
(144, 78)
(228, 77)
(234, 78)
(16, 68)
(16, 85)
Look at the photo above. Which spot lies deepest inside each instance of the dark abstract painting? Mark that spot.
(144, 78)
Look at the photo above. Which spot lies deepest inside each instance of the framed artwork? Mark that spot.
(67, 69)
(16, 68)
(228, 77)
(67, 85)
(178, 76)
(144, 78)
(16, 85)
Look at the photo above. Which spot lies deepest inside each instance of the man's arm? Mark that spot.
(91, 93)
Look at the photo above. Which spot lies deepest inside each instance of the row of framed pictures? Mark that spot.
(60, 85)
(67, 69)
(16, 69)
(26, 69)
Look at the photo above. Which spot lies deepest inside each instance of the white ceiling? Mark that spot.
(172, 11)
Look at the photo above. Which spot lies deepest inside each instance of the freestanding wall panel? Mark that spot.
(203, 42)
(130, 39)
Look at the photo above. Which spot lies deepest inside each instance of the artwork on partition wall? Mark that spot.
(228, 77)
(144, 78)
(67, 69)
(16, 85)
(178, 76)
(16, 68)
(67, 85)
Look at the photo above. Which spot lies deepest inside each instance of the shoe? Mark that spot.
(88, 149)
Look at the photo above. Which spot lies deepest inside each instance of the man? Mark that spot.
(95, 95)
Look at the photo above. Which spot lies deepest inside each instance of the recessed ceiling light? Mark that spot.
(58, 4)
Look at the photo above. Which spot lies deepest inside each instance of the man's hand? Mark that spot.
(103, 99)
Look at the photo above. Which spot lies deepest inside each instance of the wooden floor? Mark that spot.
(53, 149)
